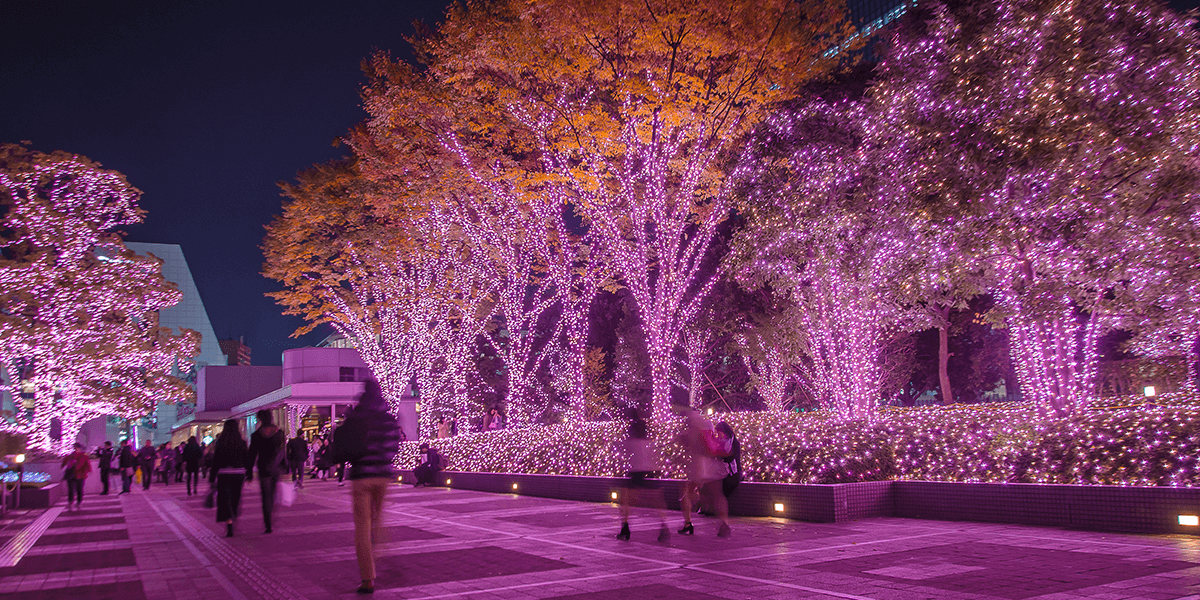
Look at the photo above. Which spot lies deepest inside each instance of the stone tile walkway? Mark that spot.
(443, 543)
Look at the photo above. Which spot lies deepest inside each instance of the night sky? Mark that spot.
(204, 106)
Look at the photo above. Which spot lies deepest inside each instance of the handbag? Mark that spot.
(285, 493)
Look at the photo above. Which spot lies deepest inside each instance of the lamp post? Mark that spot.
(20, 460)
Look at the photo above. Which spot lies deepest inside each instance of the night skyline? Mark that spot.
(204, 108)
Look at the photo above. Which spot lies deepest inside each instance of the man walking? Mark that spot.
(105, 455)
(297, 455)
(368, 439)
(126, 462)
(266, 445)
(146, 458)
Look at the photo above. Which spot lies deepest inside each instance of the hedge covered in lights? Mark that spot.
(1142, 444)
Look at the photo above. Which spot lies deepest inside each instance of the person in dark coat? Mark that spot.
(146, 458)
(166, 460)
(266, 448)
(368, 439)
(105, 454)
(297, 455)
(228, 473)
(431, 463)
(190, 457)
(126, 462)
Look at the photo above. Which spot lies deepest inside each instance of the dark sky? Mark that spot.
(204, 106)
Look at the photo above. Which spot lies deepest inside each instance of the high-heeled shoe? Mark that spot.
(624, 535)
(724, 531)
(229, 530)
(687, 529)
(664, 534)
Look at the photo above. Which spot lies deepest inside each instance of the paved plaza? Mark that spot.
(444, 543)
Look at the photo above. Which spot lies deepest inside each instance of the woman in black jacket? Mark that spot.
(228, 473)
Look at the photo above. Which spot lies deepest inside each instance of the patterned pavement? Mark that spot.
(442, 543)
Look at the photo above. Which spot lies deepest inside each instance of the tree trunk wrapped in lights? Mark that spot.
(79, 329)
(624, 112)
(1056, 142)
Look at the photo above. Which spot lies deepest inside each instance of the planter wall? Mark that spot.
(1094, 507)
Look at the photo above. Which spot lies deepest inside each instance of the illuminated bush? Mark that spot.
(1140, 444)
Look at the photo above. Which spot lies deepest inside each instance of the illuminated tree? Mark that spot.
(1055, 141)
(625, 112)
(401, 285)
(79, 329)
(819, 234)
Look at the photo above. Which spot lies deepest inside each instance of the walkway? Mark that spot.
(458, 544)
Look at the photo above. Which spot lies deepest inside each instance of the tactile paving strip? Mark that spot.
(249, 571)
(16, 548)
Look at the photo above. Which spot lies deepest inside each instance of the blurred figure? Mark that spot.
(76, 467)
(165, 463)
(146, 457)
(266, 450)
(297, 455)
(368, 439)
(190, 459)
(228, 473)
(445, 427)
(705, 471)
(643, 462)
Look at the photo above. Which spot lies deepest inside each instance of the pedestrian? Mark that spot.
(266, 449)
(164, 462)
(126, 462)
(179, 462)
(705, 471)
(732, 459)
(206, 460)
(146, 457)
(445, 427)
(228, 473)
(643, 462)
(297, 455)
(190, 459)
(105, 456)
(76, 467)
(368, 439)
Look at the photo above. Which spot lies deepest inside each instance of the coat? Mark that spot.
(266, 448)
(368, 439)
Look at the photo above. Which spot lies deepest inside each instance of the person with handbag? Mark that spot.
(228, 474)
(266, 448)
(76, 467)
(368, 439)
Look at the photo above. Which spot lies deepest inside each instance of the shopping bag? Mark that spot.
(285, 493)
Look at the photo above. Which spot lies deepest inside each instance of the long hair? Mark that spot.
(230, 438)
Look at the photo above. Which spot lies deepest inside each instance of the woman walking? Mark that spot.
(705, 472)
(228, 473)
(642, 464)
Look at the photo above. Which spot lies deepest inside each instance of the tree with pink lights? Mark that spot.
(400, 283)
(628, 113)
(819, 235)
(1056, 143)
(79, 330)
